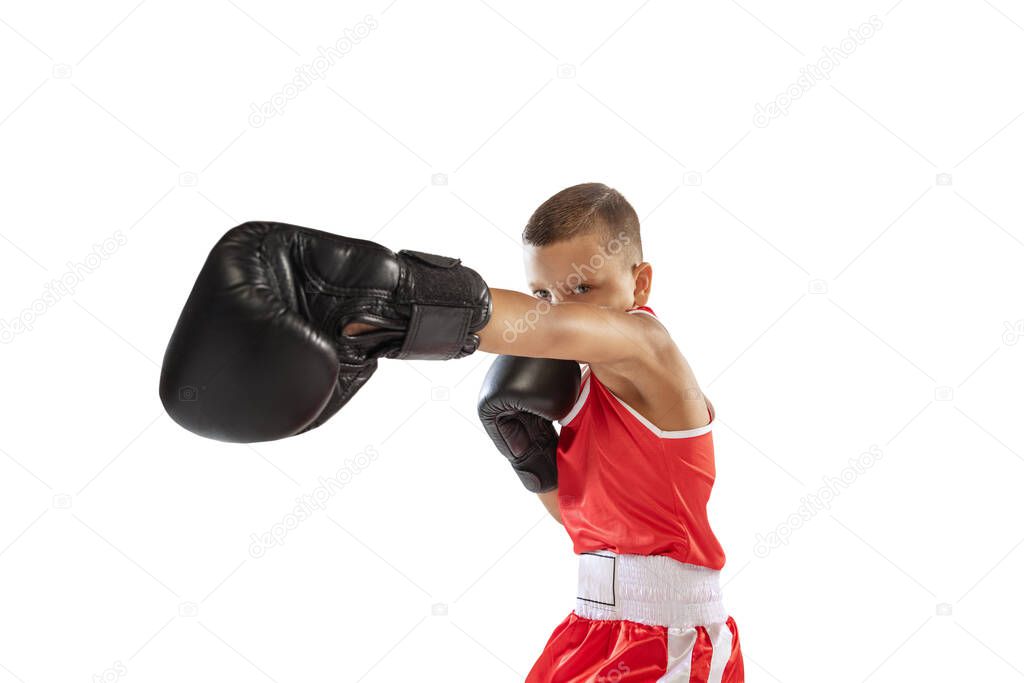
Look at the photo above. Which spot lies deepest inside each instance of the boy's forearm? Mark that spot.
(523, 325)
(550, 501)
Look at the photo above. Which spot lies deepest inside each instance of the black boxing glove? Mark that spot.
(519, 401)
(259, 351)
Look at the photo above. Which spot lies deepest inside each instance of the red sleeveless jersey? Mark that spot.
(627, 486)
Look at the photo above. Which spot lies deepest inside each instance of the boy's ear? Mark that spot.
(642, 275)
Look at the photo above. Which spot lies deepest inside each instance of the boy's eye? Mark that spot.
(542, 294)
(582, 289)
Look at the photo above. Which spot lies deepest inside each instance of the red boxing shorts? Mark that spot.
(643, 619)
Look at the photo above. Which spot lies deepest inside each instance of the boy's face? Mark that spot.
(583, 270)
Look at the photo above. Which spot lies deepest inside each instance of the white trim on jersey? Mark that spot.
(582, 399)
(661, 433)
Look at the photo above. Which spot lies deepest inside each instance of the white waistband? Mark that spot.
(655, 590)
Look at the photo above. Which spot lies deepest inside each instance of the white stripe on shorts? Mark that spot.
(721, 648)
(680, 655)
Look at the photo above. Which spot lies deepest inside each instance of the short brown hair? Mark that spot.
(582, 210)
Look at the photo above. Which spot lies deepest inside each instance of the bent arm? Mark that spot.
(523, 325)
(550, 501)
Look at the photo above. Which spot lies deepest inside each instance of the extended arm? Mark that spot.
(522, 325)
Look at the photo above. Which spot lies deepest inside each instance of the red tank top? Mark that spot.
(626, 486)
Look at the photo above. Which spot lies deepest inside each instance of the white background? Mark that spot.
(832, 292)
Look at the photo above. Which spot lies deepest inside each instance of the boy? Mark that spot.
(635, 459)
